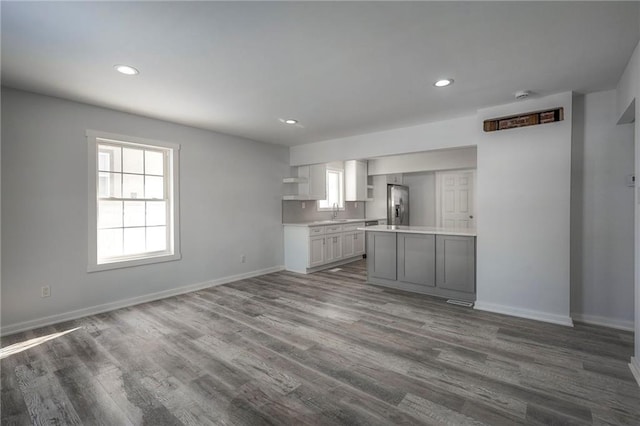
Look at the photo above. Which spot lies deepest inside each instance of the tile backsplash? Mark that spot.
(292, 211)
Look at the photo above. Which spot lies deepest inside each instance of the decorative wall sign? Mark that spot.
(522, 120)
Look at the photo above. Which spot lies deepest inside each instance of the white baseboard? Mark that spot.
(604, 321)
(524, 313)
(635, 369)
(106, 307)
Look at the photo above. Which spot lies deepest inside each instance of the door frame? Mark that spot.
(439, 174)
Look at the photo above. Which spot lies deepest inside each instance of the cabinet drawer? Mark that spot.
(352, 226)
(316, 230)
(331, 229)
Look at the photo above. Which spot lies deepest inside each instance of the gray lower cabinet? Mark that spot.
(438, 265)
(382, 261)
(455, 263)
(417, 259)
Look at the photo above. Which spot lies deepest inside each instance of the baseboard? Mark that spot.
(524, 313)
(604, 321)
(634, 366)
(98, 309)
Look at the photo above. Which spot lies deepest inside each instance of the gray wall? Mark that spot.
(601, 213)
(523, 206)
(230, 191)
(292, 211)
(422, 195)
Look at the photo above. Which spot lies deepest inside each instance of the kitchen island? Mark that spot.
(423, 259)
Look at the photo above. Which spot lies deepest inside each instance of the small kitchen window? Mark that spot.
(133, 201)
(335, 191)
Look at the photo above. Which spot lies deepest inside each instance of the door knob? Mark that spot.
(471, 217)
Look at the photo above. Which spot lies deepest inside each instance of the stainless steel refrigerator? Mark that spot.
(397, 205)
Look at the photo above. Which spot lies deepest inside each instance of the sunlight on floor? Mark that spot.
(23, 346)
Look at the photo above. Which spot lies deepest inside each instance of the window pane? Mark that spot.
(133, 213)
(109, 185)
(109, 243)
(157, 238)
(134, 240)
(333, 188)
(109, 214)
(154, 187)
(153, 163)
(109, 158)
(156, 213)
(132, 186)
(132, 160)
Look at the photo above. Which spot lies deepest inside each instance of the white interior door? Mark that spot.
(456, 199)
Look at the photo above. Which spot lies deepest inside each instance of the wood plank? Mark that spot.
(324, 348)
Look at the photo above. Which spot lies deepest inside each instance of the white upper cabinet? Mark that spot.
(310, 184)
(355, 180)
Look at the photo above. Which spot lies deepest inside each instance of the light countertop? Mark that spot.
(326, 222)
(463, 232)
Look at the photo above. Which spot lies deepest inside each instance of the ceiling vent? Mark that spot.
(522, 94)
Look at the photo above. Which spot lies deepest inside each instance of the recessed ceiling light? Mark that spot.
(126, 69)
(289, 121)
(444, 82)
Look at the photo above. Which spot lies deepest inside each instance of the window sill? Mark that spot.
(119, 264)
(330, 209)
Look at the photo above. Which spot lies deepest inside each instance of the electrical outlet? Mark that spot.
(45, 291)
(304, 205)
(243, 258)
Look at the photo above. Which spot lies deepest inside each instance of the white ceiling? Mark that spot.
(341, 68)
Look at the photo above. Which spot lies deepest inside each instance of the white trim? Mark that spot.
(635, 369)
(97, 309)
(618, 324)
(524, 313)
(172, 175)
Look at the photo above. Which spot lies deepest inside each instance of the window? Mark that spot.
(335, 190)
(133, 201)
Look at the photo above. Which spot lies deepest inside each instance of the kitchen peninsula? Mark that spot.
(423, 259)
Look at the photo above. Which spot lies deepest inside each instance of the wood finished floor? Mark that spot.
(318, 349)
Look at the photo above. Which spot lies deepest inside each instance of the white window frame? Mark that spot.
(94, 138)
(341, 196)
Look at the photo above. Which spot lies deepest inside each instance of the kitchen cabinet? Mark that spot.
(355, 180)
(455, 260)
(417, 259)
(309, 184)
(353, 243)
(429, 262)
(316, 251)
(333, 246)
(313, 248)
(381, 255)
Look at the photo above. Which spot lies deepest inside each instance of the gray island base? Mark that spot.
(428, 260)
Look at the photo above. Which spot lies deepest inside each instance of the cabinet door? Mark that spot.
(358, 243)
(355, 180)
(316, 251)
(456, 263)
(381, 255)
(417, 259)
(334, 248)
(318, 181)
(348, 247)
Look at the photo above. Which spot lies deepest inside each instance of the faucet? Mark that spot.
(334, 213)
